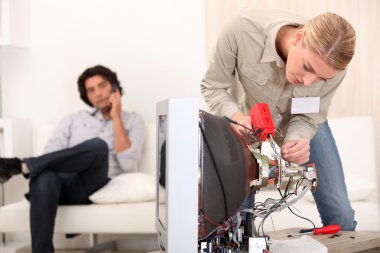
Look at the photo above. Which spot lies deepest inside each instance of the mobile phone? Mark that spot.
(114, 87)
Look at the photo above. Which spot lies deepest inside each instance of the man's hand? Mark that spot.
(115, 104)
(296, 151)
(244, 120)
(122, 141)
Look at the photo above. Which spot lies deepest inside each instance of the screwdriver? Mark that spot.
(330, 229)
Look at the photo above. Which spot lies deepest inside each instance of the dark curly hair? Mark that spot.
(102, 71)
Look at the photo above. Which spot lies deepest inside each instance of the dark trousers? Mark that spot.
(65, 177)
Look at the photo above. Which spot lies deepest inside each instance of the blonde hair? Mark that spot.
(332, 37)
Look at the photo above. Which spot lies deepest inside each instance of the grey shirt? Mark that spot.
(84, 125)
(245, 69)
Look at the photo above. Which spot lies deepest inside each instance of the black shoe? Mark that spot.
(8, 168)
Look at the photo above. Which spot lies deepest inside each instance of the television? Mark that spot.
(205, 173)
(177, 175)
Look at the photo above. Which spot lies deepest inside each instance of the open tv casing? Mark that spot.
(177, 175)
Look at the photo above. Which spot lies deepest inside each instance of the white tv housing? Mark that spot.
(177, 175)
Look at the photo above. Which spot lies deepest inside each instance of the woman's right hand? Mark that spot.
(244, 120)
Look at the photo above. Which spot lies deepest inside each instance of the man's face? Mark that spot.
(304, 66)
(98, 92)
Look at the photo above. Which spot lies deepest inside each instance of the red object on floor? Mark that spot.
(330, 229)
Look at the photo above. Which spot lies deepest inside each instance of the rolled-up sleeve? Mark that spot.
(306, 125)
(135, 128)
(221, 71)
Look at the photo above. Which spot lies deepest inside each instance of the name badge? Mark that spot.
(305, 105)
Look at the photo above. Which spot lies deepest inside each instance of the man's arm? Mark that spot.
(135, 131)
(128, 138)
(121, 140)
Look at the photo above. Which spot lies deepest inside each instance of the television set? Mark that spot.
(205, 173)
(177, 175)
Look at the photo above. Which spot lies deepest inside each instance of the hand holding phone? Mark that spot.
(114, 87)
(113, 90)
(115, 101)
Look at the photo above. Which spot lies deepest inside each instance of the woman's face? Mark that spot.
(304, 66)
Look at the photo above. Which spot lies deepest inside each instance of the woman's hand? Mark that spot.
(296, 151)
(244, 120)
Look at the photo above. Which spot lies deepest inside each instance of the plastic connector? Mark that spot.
(261, 119)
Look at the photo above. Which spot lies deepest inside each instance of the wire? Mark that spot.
(252, 195)
(209, 220)
(251, 133)
(268, 209)
(299, 216)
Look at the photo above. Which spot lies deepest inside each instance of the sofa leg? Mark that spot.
(2, 198)
(96, 247)
(2, 239)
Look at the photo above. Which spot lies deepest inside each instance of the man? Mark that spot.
(87, 148)
(278, 58)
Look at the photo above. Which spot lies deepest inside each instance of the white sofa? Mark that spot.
(122, 218)
(357, 152)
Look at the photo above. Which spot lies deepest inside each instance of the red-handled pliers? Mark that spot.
(330, 229)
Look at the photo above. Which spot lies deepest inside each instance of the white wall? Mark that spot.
(156, 47)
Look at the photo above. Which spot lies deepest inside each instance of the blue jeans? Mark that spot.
(65, 177)
(331, 194)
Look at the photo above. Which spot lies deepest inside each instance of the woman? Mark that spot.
(292, 64)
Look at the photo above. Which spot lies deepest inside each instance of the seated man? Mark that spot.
(87, 148)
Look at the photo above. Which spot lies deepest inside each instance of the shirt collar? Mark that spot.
(96, 113)
(93, 112)
(270, 53)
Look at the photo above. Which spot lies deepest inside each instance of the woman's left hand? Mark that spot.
(296, 151)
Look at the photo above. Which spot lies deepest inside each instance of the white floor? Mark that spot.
(81, 251)
(18, 248)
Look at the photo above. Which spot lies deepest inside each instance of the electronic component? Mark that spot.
(223, 241)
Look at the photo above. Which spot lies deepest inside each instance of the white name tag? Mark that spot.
(305, 105)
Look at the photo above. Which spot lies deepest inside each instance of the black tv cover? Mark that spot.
(226, 168)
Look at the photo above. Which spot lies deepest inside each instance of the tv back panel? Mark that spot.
(177, 175)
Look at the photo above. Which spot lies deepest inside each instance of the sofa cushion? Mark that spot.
(147, 161)
(101, 219)
(358, 188)
(126, 188)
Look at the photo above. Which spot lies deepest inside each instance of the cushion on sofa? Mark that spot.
(126, 188)
(358, 188)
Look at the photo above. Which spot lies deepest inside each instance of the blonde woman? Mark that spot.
(292, 64)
